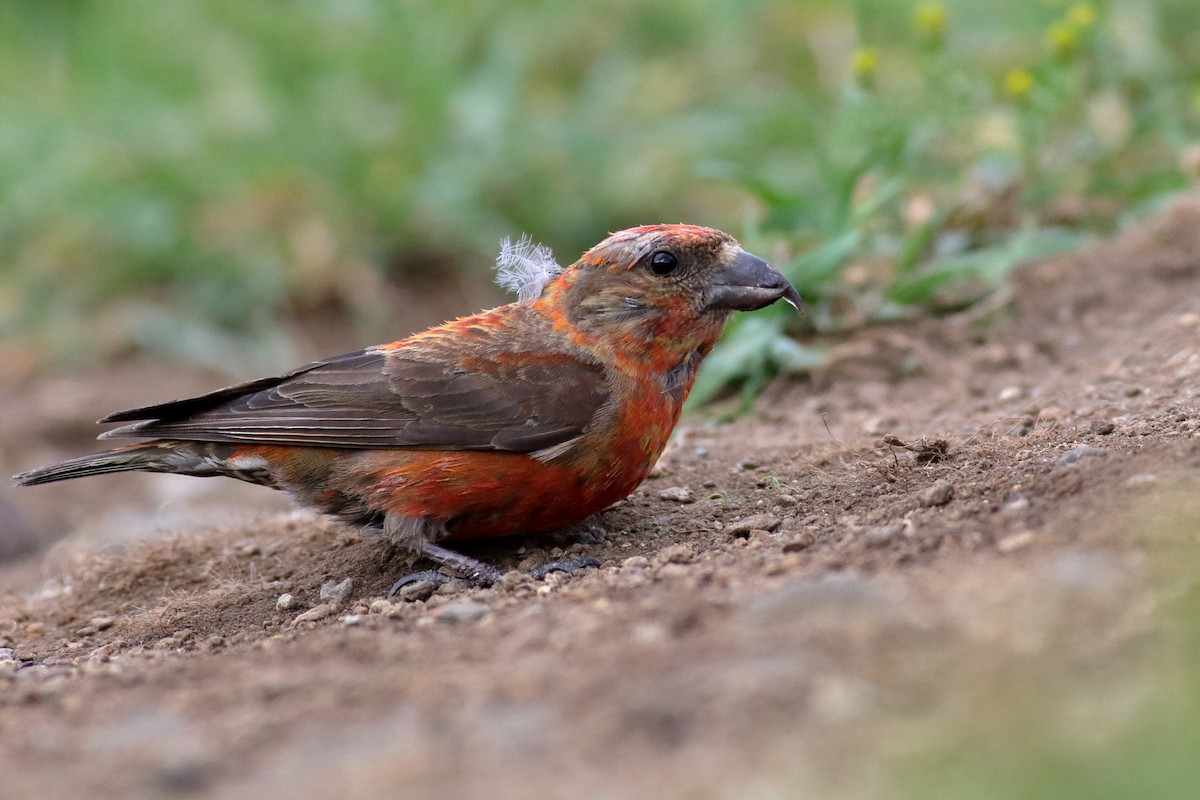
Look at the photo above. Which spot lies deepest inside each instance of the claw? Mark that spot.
(567, 565)
(430, 575)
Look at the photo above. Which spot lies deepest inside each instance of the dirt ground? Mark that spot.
(793, 603)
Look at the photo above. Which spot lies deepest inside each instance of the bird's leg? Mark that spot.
(471, 569)
(419, 533)
(463, 568)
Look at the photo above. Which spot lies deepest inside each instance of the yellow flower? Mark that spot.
(864, 63)
(929, 22)
(1082, 15)
(1063, 38)
(1018, 83)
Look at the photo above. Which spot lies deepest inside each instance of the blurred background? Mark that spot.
(236, 184)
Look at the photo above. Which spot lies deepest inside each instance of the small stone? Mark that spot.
(939, 494)
(337, 593)
(676, 554)
(460, 611)
(379, 606)
(1140, 479)
(214, 642)
(287, 602)
(515, 579)
(417, 590)
(351, 620)
(316, 613)
(7, 654)
(801, 541)
(742, 527)
(749, 463)
(1015, 506)
(636, 562)
(102, 623)
(1015, 541)
(882, 535)
(786, 500)
(877, 426)
(671, 570)
(1101, 427)
(1010, 393)
(676, 494)
(1051, 414)
(1081, 452)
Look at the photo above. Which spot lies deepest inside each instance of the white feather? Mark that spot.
(524, 268)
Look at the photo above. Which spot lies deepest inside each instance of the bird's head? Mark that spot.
(670, 285)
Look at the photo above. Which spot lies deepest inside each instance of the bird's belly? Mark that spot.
(482, 494)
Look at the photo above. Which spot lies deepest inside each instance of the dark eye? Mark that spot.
(663, 262)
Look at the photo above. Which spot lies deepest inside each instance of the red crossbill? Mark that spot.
(520, 419)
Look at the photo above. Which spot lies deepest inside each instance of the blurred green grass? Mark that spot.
(1115, 719)
(180, 177)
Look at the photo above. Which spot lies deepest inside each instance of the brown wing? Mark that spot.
(382, 398)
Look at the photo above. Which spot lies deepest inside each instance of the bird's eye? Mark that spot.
(663, 262)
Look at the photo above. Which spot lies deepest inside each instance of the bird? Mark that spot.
(519, 419)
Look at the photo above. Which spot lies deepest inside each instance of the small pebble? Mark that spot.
(1015, 506)
(460, 611)
(515, 579)
(1015, 541)
(671, 570)
(337, 593)
(1140, 479)
(636, 562)
(8, 654)
(379, 606)
(749, 463)
(882, 535)
(1101, 427)
(1010, 393)
(350, 620)
(417, 590)
(287, 602)
(743, 526)
(316, 613)
(676, 494)
(801, 541)
(676, 554)
(786, 500)
(1083, 451)
(939, 494)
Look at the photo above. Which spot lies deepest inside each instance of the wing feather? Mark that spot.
(428, 398)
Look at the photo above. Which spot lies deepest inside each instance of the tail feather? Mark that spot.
(125, 459)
